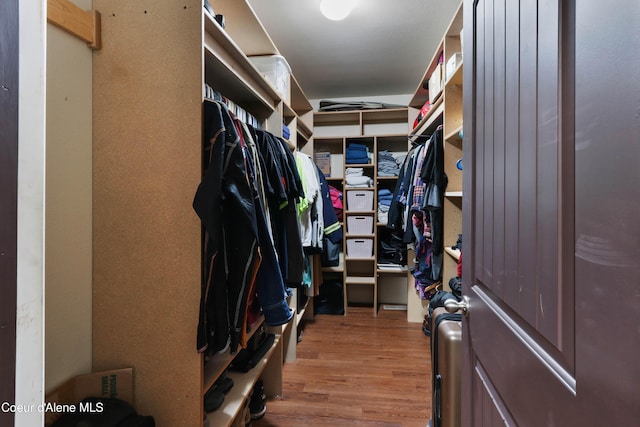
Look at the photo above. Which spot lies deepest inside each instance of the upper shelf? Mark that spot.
(228, 65)
(243, 25)
(338, 118)
(229, 70)
(446, 47)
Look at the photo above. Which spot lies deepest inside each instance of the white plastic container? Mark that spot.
(361, 200)
(277, 71)
(360, 248)
(360, 224)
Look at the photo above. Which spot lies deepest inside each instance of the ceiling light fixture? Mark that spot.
(337, 10)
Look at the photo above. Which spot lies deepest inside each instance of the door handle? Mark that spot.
(452, 305)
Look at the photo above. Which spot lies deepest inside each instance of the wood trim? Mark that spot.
(9, 34)
(82, 24)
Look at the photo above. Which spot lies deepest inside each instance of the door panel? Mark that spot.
(552, 273)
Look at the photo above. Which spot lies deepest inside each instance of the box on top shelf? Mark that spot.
(435, 83)
(277, 71)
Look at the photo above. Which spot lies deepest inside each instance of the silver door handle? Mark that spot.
(452, 305)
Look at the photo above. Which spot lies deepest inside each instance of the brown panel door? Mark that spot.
(551, 213)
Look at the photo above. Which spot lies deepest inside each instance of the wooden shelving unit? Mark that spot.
(446, 110)
(147, 264)
(383, 129)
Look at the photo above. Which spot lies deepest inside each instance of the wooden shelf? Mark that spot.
(219, 362)
(454, 135)
(358, 280)
(359, 165)
(230, 71)
(456, 77)
(242, 385)
(402, 270)
(338, 268)
(336, 118)
(355, 258)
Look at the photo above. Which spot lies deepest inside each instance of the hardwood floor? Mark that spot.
(356, 370)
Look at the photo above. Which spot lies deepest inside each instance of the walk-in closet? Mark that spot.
(233, 213)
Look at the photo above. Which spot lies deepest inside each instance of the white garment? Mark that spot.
(311, 188)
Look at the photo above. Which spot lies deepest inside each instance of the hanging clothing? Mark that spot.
(239, 255)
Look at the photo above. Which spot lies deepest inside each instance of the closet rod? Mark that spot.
(82, 24)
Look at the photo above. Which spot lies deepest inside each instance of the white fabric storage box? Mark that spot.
(359, 224)
(277, 71)
(360, 200)
(360, 248)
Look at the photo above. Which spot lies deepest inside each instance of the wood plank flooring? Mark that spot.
(356, 370)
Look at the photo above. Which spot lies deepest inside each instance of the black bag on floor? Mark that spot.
(330, 299)
(104, 412)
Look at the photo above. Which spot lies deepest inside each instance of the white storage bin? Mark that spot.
(277, 71)
(360, 248)
(359, 224)
(360, 200)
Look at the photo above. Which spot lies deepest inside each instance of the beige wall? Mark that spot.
(68, 211)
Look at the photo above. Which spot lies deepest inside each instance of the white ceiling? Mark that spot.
(382, 48)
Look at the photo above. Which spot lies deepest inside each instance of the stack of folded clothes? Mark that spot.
(384, 202)
(357, 154)
(387, 164)
(355, 177)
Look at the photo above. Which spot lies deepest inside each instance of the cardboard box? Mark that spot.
(117, 383)
(435, 84)
(323, 161)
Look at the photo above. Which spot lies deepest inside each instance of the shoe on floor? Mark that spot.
(257, 404)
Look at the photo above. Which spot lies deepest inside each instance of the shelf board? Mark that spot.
(359, 280)
(454, 135)
(230, 71)
(355, 258)
(220, 361)
(243, 25)
(336, 118)
(338, 268)
(242, 385)
(456, 77)
(299, 101)
(387, 178)
(402, 270)
(454, 253)
(361, 117)
(359, 235)
(359, 165)
(456, 194)
(385, 115)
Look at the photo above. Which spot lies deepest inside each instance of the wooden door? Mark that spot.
(551, 213)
